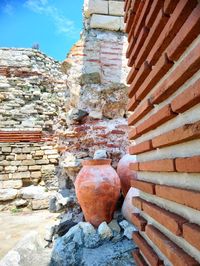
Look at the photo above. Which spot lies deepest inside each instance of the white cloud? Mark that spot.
(62, 23)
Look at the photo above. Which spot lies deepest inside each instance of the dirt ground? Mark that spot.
(14, 226)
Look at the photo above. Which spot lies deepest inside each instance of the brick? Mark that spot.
(178, 135)
(142, 73)
(138, 258)
(155, 8)
(175, 254)
(146, 249)
(142, 18)
(191, 233)
(141, 147)
(171, 221)
(153, 35)
(129, 21)
(132, 133)
(185, 197)
(187, 99)
(177, 19)
(135, 166)
(133, 72)
(144, 186)
(155, 120)
(135, 5)
(132, 104)
(135, 46)
(140, 112)
(138, 221)
(136, 19)
(187, 34)
(169, 6)
(165, 165)
(188, 165)
(137, 202)
(158, 71)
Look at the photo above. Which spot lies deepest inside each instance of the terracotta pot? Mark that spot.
(98, 189)
(127, 207)
(124, 173)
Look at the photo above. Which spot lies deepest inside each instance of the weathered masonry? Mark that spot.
(31, 97)
(164, 92)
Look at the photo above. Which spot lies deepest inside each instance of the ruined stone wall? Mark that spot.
(32, 91)
(96, 68)
(164, 92)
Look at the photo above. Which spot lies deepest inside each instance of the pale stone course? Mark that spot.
(116, 8)
(105, 22)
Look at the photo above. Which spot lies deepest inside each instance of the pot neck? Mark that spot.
(97, 162)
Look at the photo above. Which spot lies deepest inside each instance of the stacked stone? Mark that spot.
(104, 14)
(164, 92)
(96, 68)
(32, 90)
(22, 165)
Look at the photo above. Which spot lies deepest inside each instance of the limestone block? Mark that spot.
(95, 6)
(40, 204)
(49, 167)
(36, 174)
(22, 168)
(21, 175)
(51, 152)
(8, 194)
(28, 162)
(43, 161)
(33, 192)
(35, 167)
(11, 184)
(20, 157)
(6, 149)
(10, 168)
(122, 24)
(105, 22)
(116, 8)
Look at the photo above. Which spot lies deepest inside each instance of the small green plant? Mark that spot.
(15, 210)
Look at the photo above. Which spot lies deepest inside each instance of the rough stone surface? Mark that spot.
(8, 194)
(105, 22)
(128, 228)
(74, 248)
(29, 251)
(104, 231)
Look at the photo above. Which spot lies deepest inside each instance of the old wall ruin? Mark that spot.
(53, 116)
(96, 68)
(32, 91)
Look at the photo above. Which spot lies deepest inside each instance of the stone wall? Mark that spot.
(96, 68)
(78, 107)
(164, 125)
(104, 14)
(32, 91)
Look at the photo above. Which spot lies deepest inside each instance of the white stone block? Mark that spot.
(105, 22)
(122, 24)
(116, 8)
(95, 6)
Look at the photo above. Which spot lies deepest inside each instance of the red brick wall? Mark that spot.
(164, 101)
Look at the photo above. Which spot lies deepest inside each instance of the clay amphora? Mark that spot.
(125, 174)
(98, 189)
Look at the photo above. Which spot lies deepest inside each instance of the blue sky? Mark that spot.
(54, 24)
